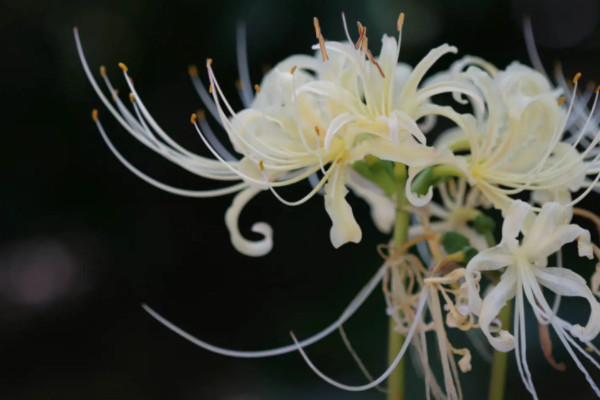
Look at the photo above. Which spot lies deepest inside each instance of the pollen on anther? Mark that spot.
(208, 62)
(193, 119)
(362, 33)
(102, 71)
(132, 97)
(95, 115)
(123, 67)
(210, 89)
(201, 114)
(321, 39)
(597, 89)
(257, 88)
(293, 70)
(576, 77)
(561, 100)
(400, 22)
(317, 26)
(261, 165)
(193, 70)
(318, 131)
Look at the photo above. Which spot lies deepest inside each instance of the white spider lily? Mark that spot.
(524, 273)
(311, 114)
(519, 143)
(583, 124)
(308, 116)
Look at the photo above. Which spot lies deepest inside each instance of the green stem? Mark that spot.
(500, 361)
(396, 340)
(432, 176)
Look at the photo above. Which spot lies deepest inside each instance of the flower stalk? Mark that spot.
(500, 360)
(395, 339)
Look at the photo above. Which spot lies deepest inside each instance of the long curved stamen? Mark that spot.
(149, 117)
(242, 64)
(218, 94)
(218, 156)
(160, 185)
(138, 129)
(382, 377)
(531, 47)
(212, 138)
(346, 314)
(304, 199)
(356, 358)
(203, 93)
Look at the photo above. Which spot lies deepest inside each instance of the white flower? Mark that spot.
(328, 111)
(311, 115)
(520, 144)
(524, 271)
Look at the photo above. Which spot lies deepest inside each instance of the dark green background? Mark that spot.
(83, 241)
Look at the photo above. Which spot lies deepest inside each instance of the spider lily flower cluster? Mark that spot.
(344, 119)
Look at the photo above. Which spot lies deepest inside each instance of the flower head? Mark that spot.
(524, 271)
(312, 117)
(520, 144)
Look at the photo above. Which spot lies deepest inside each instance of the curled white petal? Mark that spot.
(252, 248)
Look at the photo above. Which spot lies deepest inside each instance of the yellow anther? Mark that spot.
(317, 27)
(95, 115)
(261, 165)
(123, 67)
(561, 100)
(193, 70)
(208, 62)
(210, 89)
(201, 114)
(193, 119)
(257, 88)
(116, 92)
(102, 71)
(293, 70)
(400, 22)
(238, 84)
(597, 89)
(318, 131)
(321, 39)
(362, 33)
(576, 77)
(131, 98)
(360, 27)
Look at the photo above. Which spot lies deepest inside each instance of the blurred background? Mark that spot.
(83, 241)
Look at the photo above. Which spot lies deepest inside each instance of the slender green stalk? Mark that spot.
(396, 340)
(500, 361)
